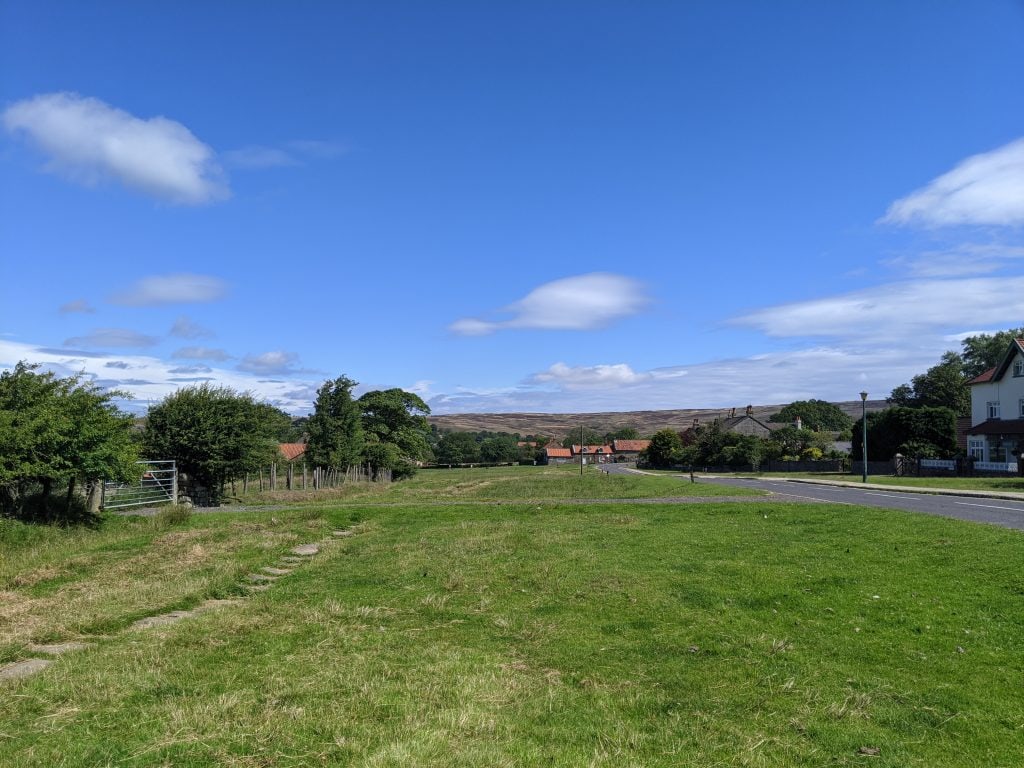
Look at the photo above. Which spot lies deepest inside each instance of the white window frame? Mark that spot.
(993, 409)
(976, 449)
(1018, 368)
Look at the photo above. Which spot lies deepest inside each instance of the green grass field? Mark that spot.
(522, 634)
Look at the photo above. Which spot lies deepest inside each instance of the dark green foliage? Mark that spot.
(986, 350)
(213, 433)
(457, 448)
(398, 418)
(816, 415)
(499, 449)
(336, 428)
(915, 432)
(623, 433)
(941, 386)
(790, 443)
(58, 431)
(666, 449)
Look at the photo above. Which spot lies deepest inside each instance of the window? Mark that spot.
(976, 449)
(993, 409)
(1018, 368)
(1022, 407)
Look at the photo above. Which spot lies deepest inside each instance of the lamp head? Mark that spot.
(863, 396)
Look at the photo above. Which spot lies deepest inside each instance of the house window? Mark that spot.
(976, 449)
(993, 409)
(1022, 408)
(1018, 368)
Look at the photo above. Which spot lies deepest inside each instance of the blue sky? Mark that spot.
(510, 207)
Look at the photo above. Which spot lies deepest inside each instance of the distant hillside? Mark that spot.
(558, 425)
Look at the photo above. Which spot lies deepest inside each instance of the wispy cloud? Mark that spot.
(960, 261)
(120, 364)
(186, 369)
(112, 337)
(269, 363)
(897, 310)
(590, 376)
(78, 305)
(185, 328)
(201, 353)
(172, 289)
(87, 140)
(986, 189)
(580, 303)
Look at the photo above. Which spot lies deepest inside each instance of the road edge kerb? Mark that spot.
(1004, 495)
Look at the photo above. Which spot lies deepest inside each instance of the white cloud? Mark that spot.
(185, 328)
(983, 189)
(88, 140)
(153, 379)
(172, 289)
(269, 363)
(111, 337)
(580, 303)
(201, 353)
(897, 310)
(961, 261)
(79, 305)
(590, 376)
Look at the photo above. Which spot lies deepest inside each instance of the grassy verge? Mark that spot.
(1015, 484)
(646, 635)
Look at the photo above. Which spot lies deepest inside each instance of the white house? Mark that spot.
(997, 409)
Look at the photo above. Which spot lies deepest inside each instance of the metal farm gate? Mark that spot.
(157, 484)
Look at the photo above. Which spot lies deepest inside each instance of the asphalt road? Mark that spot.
(1009, 514)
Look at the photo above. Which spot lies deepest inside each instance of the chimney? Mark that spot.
(799, 423)
(750, 410)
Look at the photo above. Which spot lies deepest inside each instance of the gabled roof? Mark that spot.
(292, 451)
(995, 374)
(592, 449)
(558, 453)
(629, 445)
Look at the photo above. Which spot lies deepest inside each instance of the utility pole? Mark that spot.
(582, 459)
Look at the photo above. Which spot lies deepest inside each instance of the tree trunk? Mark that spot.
(70, 496)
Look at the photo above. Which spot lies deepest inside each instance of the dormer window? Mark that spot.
(1018, 368)
(993, 409)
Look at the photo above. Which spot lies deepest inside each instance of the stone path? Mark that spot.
(257, 582)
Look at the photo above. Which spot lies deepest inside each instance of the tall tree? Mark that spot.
(986, 350)
(457, 448)
(336, 428)
(665, 449)
(941, 386)
(816, 415)
(397, 417)
(920, 432)
(58, 430)
(215, 434)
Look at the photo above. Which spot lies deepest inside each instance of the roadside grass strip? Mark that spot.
(748, 634)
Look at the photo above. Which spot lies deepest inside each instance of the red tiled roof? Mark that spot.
(526, 444)
(630, 445)
(983, 378)
(558, 453)
(592, 449)
(292, 451)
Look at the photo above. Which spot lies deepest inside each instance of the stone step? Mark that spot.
(22, 669)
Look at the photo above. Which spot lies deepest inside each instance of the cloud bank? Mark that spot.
(158, 290)
(985, 189)
(581, 303)
(87, 141)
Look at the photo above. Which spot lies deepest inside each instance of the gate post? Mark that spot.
(174, 482)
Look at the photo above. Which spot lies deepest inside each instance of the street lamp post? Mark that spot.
(864, 434)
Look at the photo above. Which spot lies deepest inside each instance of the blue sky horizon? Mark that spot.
(543, 207)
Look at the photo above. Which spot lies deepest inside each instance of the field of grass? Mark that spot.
(505, 483)
(750, 634)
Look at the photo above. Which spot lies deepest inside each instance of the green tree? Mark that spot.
(623, 433)
(396, 429)
(58, 430)
(918, 432)
(457, 448)
(816, 415)
(499, 449)
(336, 427)
(942, 386)
(665, 449)
(986, 350)
(214, 434)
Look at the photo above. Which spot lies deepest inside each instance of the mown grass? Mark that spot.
(753, 634)
(505, 483)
